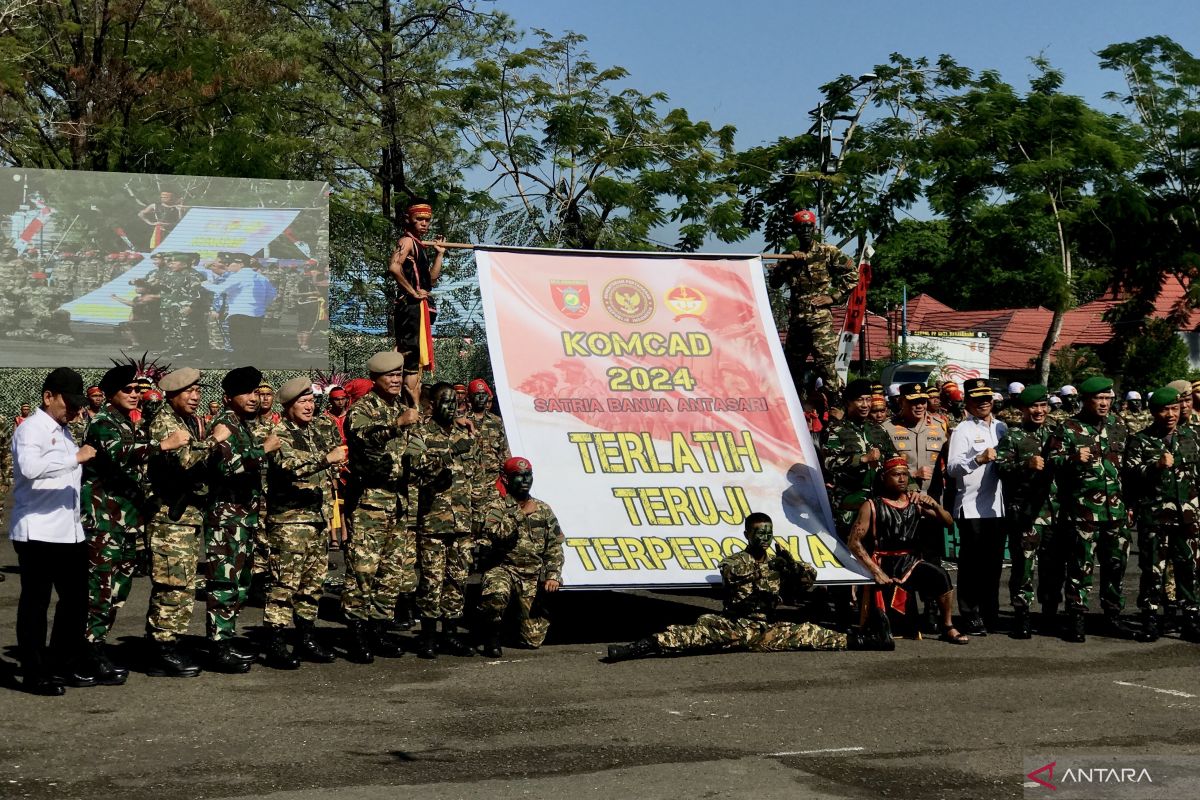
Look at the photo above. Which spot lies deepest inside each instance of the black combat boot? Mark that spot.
(452, 644)
(385, 646)
(1021, 628)
(170, 663)
(406, 618)
(99, 667)
(639, 649)
(307, 646)
(1168, 622)
(427, 643)
(277, 655)
(358, 646)
(1116, 627)
(1190, 630)
(1049, 622)
(491, 640)
(1150, 630)
(1074, 629)
(223, 658)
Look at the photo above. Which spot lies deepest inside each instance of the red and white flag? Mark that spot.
(34, 225)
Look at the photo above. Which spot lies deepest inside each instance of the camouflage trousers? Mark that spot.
(1158, 546)
(228, 577)
(1028, 541)
(445, 564)
(178, 335)
(299, 563)
(1082, 543)
(718, 632)
(500, 585)
(111, 557)
(261, 548)
(173, 559)
(381, 561)
(812, 335)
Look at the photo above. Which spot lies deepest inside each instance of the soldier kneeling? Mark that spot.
(753, 582)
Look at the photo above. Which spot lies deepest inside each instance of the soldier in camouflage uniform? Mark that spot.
(1011, 413)
(1068, 396)
(1161, 464)
(266, 418)
(232, 515)
(299, 499)
(818, 275)
(851, 452)
(1030, 508)
(381, 555)
(43, 322)
(179, 289)
(113, 501)
(79, 425)
(180, 481)
(489, 430)
(1086, 452)
(753, 581)
(1136, 418)
(447, 517)
(522, 547)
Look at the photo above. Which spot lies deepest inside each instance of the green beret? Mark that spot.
(1095, 385)
(1033, 394)
(1164, 397)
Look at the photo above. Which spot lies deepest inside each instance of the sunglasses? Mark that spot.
(130, 389)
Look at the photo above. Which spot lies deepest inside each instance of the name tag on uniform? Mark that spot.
(979, 441)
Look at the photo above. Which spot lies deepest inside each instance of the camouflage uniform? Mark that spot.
(79, 426)
(232, 516)
(1137, 421)
(1165, 506)
(1093, 512)
(521, 551)
(180, 291)
(849, 479)
(752, 591)
(261, 427)
(493, 451)
(1010, 415)
(381, 554)
(447, 512)
(1031, 506)
(822, 270)
(113, 500)
(180, 479)
(299, 502)
(39, 302)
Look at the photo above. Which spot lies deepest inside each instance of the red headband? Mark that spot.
(895, 462)
(420, 208)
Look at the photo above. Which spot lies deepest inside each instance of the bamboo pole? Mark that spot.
(763, 256)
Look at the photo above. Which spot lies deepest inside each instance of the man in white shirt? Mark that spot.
(47, 534)
(978, 509)
(247, 294)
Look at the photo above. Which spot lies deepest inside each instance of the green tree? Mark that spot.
(579, 163)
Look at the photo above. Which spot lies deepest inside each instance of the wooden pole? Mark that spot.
(763, 256)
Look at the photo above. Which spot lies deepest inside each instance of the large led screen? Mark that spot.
(195, 271)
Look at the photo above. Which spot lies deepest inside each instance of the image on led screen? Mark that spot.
(198, 271)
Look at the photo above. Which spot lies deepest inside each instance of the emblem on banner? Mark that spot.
(627, 300)
(684, 301)
(571, 297)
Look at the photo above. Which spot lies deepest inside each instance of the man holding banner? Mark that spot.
(415, 310)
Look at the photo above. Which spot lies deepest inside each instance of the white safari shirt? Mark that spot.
(45, 482)
(980, 495)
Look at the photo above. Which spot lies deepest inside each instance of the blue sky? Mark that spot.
(757, 64)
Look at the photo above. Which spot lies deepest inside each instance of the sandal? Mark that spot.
(952, 636)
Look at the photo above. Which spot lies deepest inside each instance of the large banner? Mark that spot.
(968, 354)
(652, 397)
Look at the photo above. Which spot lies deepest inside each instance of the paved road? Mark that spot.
(927, 721)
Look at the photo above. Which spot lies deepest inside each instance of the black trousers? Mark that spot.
(245, 336)
(980, 564)
(63, 568)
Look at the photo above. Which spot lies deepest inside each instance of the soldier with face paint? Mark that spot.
(447, 510)
(754, 581)
(523, 559)
(489, 430)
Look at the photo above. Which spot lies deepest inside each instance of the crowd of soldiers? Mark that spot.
(428, 491)
(178, 308)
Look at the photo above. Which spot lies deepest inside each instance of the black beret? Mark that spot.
(240, 381)
(117, 378)
(856, 389)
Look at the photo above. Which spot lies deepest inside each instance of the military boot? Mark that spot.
(223, 658)
(406, 618)
(1021, 628)
(1168, 622)
(99, 667)
(1074, 630)
(1049, 621)
(1116, 627)
(1190, 630)
(427, 643)
(384, 645)
(277, 654)
(639, 649)
(307, 646)
(452, 644)
(1150, 630)
(491, 641)
(358, 648)
(170, 663)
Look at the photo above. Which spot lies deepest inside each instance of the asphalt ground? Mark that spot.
(929, 720)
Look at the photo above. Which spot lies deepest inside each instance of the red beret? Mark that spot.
(805, 217)
(517, 464)
(479, 385)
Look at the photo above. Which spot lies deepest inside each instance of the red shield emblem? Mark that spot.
(571, 297)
